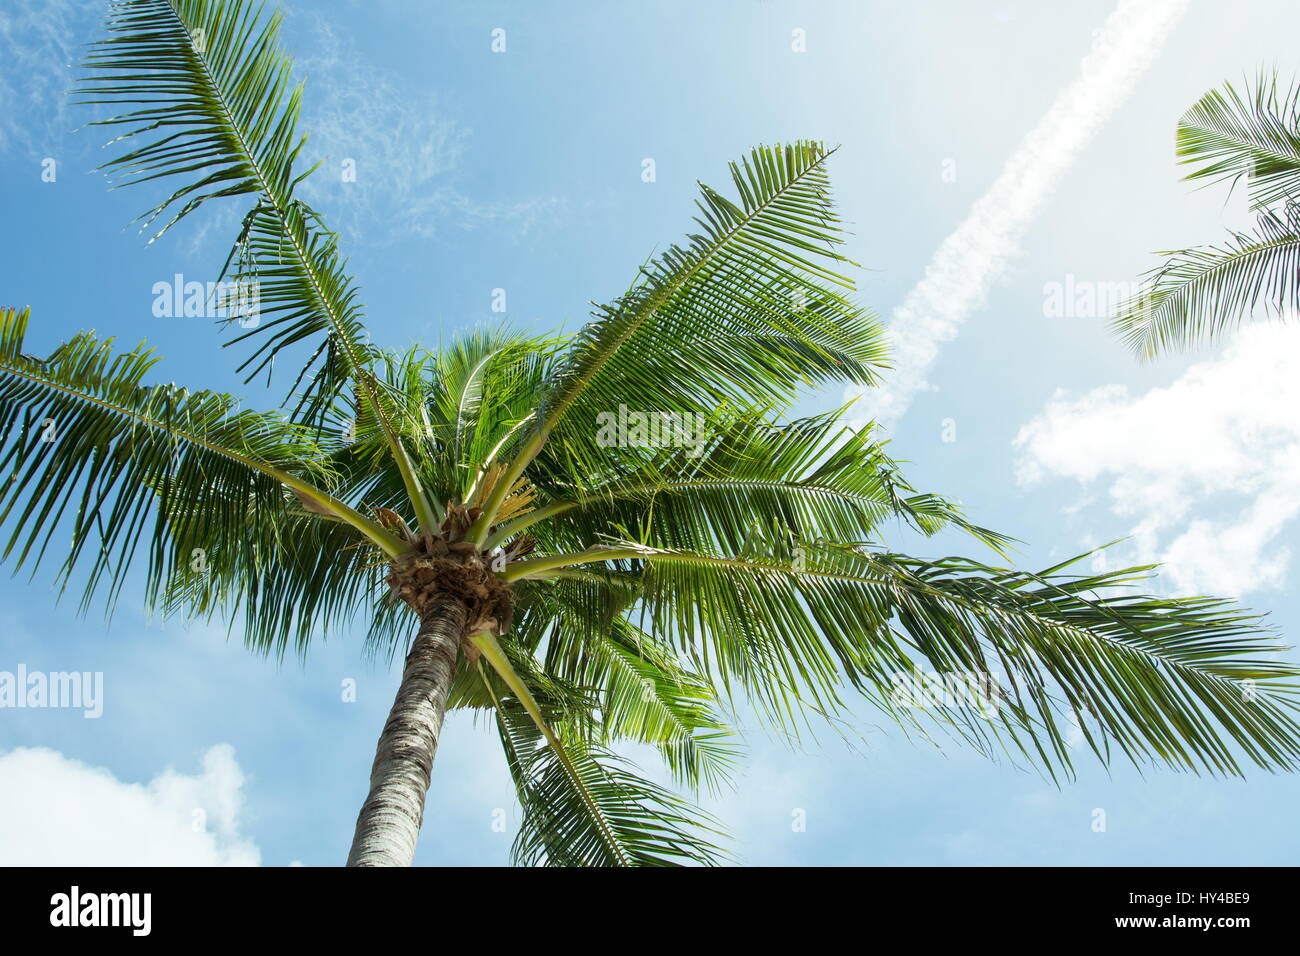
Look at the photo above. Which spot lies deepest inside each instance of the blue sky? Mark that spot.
(522, 171)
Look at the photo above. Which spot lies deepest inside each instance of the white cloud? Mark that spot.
(1222, 440)
(55, 811)
(976, 254)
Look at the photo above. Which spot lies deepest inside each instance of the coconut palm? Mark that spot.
(1197, 295)
(612, 537)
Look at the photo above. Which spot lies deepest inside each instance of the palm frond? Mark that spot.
(482, 385)
(748, 477)
(94, 452)
(1189, 682)
(647, 696)
(217, 110)
(1202, 293)
(581, 806)
(1252, 134)
(597, 811)
(743, 315)
(639, 688)
(290, 582)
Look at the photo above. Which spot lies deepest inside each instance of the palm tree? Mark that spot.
(606, 537)
(1198, 294)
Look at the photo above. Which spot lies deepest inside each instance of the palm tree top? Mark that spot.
(616, 585)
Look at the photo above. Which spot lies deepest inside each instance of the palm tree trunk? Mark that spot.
(389, 822)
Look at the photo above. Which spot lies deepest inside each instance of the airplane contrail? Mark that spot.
(972, 257)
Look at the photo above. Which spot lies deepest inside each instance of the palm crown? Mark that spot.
(585, 584)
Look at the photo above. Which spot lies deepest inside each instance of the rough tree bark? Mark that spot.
(389, 822)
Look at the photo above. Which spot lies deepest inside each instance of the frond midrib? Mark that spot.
(1143, 325)
(579, 385)
(978, 608)
(371, 529)
(358, 372)
(630, 491)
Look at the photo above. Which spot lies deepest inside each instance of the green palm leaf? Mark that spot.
(748, 478)
(1202, 293)
(218, 112)
(1164, 679)
(597, 811)
(1252, 135)
(1199, 294)
(638, 686)
(743, 315)
(94, 452)
(583, 805)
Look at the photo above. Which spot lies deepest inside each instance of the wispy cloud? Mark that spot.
(976, 254)
(390, 156)
(405, 149)
(38, 40)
